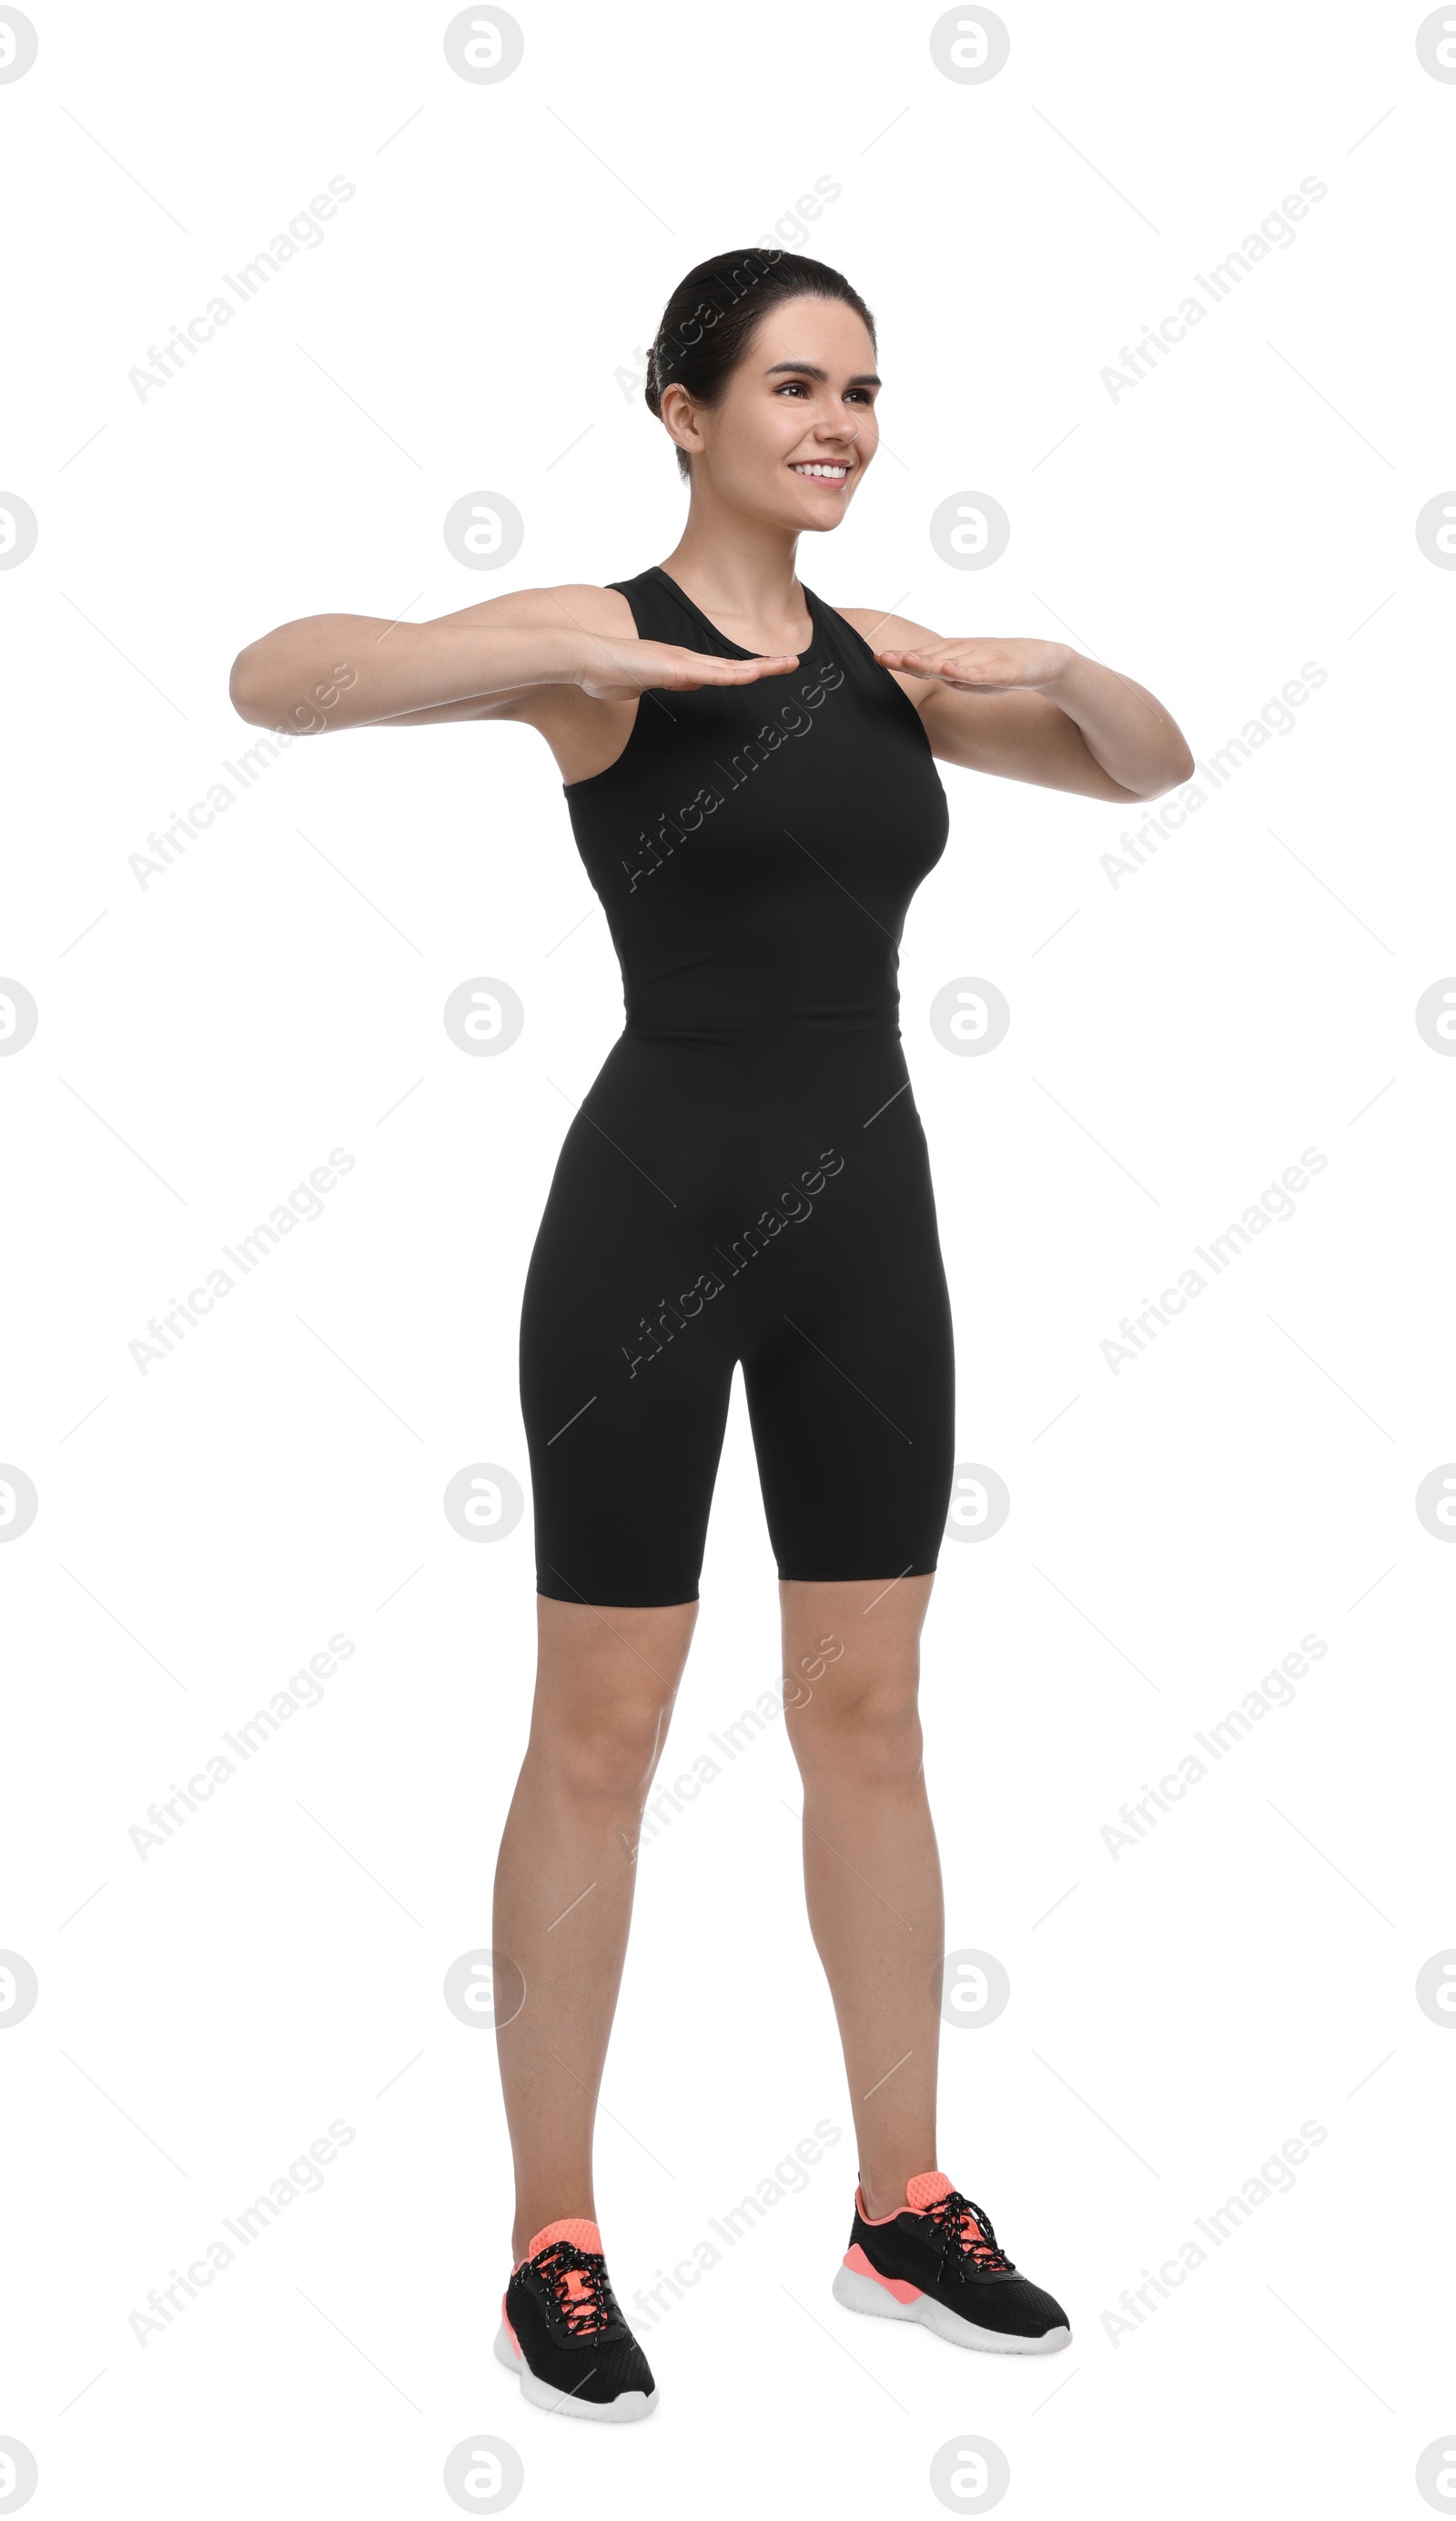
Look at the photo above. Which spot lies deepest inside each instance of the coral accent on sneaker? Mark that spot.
(926, 2189)
(855, 2259)
(577, 2228)
(574, 2285)
(922, 2192)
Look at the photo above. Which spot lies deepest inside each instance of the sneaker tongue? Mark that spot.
(571, 2228)
(926, 2189)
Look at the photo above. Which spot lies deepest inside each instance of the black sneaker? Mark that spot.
(563, 2334)
(937, 2261)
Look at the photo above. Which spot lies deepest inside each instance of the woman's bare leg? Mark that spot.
(872, 1873)
(605, 1680)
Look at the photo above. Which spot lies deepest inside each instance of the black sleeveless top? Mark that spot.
(756, 849)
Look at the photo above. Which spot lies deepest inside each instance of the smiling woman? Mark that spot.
(708, 321)
(755, 885)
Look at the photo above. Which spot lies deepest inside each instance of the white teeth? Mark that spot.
(821, 472)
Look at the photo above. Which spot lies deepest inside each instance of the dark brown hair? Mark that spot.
(710, 316)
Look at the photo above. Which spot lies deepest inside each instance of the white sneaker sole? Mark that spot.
(622, 2410)
(865, 2294)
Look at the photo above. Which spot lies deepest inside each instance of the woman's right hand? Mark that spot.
(620, 670)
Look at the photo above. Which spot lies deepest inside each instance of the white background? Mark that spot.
(1176, 1041)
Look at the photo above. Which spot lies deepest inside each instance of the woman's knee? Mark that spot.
(602, 1743)
(604, 1689)
(851, 1675)
(869, 1732)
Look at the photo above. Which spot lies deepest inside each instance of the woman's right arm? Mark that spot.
(337, 670)
(550, 655)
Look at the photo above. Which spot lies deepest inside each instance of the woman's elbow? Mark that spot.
(248, 688)
(1175, 772)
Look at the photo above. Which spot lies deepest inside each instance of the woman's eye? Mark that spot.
(853, 394)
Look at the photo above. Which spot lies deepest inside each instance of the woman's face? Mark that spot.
(795, 426)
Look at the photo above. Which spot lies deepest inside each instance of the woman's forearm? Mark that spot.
(348, 669)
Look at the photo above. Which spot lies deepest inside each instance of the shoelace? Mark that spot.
(586, 2305)
(953, 2214)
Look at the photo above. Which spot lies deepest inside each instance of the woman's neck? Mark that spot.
(742, 574)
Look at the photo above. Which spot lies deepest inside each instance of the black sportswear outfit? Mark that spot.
(747, 1181)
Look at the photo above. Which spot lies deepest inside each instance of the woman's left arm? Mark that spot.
(1033, 709)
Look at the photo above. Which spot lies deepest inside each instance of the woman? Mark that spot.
(750, 778)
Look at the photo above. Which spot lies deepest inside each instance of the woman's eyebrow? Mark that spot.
(806, 368)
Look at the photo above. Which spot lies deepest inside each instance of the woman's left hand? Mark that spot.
(982, 665)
